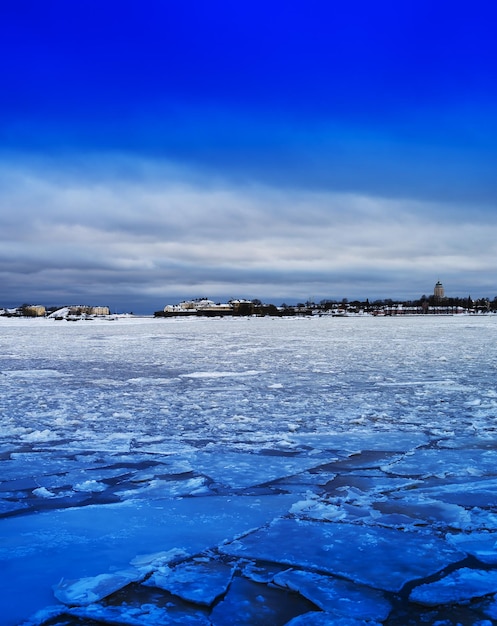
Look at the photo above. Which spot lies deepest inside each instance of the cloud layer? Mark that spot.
(97, 236)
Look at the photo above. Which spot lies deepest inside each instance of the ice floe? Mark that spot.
(220, 374)
(467, 463)
(482, 545)
(338, 596)
(239, 470)
(314, 618)
(198, 582)
(459, 586)
(251, 604)
(368, 555)
(143, 615)
(92, 589)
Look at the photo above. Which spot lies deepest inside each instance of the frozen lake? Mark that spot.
(249, 471)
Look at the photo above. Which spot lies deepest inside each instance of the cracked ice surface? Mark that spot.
(460, 586)
(188, 580)
(332, 594)
(361, 448)
(326, 618)
(368, 555)
(89, 590)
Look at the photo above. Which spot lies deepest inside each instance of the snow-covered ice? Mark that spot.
(171, 471)
(198, 582)
(460, 586)
(86, 591)
(337, 595)
(482, 545)
(328, 618)
(368, 555)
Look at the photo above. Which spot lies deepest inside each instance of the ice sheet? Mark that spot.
(328, 618)
(89, 590)
(238, 470)
(144, 436)
(460, 586)
(37, 551)
(382, 558)
(338, 596)
(251, 604)
(198, 582)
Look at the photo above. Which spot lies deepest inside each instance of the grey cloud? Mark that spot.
(153, 235)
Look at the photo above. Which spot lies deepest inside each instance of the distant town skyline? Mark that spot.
(162, 151)
(436, 297)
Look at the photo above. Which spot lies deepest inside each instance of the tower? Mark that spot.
(439, 292)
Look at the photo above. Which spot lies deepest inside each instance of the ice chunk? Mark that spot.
(201, 583)
(150, 562)
(315, 618)
(42, 492)
(428, 510)
(312, 508)
(260, 573)
(157, 489)
(92, 589)
(34, 374)
(482, 492)
(445, 463)
(358, 440)
(369, 483)
(7, 506)
(482, 520)
(90, 486)
(94, 539)
(219, 374)
(39, 463)
(481, 545)
(251, 604)
(339, 596)
(365, 459)
(384, 558)
(143, 615)
(239, 470)
(460, 586)
(40, 435)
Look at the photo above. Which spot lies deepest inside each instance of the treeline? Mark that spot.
(423, 305)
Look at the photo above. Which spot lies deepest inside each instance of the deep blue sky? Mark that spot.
(159, 150)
